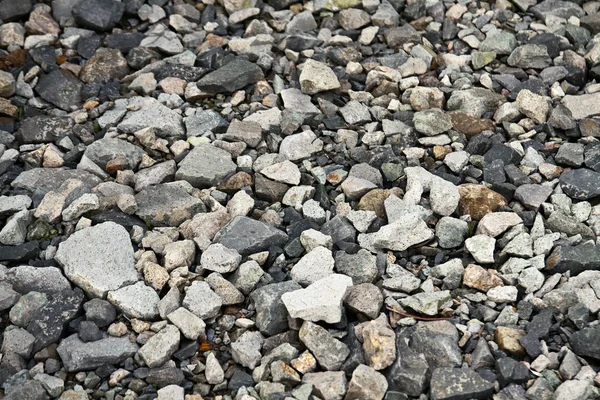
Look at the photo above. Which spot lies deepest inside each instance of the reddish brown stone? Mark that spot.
(470, 126)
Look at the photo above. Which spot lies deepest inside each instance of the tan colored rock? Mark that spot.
(508, 340)
(479, 278)
(478, 200)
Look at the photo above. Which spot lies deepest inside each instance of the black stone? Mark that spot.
(502, 152)
(87, 45)
(187, 73)
(19, 253)
(98, 15)
(239, 379)
(586, 342)
(13, 10)
(89, 331)
(340, 229)
(580, 184)
(459, 384)
(493, 172)
(101, 312)
(60, 88)
(511, 371)
(231, 77)
(271, 314)
(124, 41)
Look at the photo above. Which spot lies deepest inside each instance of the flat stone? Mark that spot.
(231, 77)
(147, 112)
(320, 301)
(160, 347)
(98, 259)
(575, 259)
(580, 184)
(271, 312)
(405, 232)
(530, 56)
(532, 196)
(206, 166)
(496, 223)
(105, 66)
(582, 106)
(25, 279)
(317, 77)
(136, 301)
(69, 97)
(79, 356)
(299, 146)
(204, 121)
(330, 352)
(202, 301)
(458, 383)
(248, 236)
(47, 179)
(316, 264)
(167, 204)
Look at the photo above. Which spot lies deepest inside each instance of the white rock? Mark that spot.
(286, 172)
(317, 264)
(317, 77)
(481, 248)
(189, 324)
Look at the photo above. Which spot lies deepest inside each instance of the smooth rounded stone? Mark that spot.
(317, 77)
(361, 267)
(432, 122)
(533, 106)
(580, 184)
(225, 289)
(26, 278)
(271, 312)
(496, 223)
(220, 259)
(136, 301)
(231, 77)
(366, 299)
(532, 196)
(7, 84)
(451, 232)
(98, 259)
(320, 301)
(248, 236)
(508, 340)
(160, 347)
(285, 172)
(530, 56)
(481, 279)
(316, 264)
(246, 349)
(481, 248)
(329, 352)
(214, 372)
(206, 166)
(503, 294)
(366, 384)
(202, 301)
(80, 356)
(407, 231)
(147, 112)
(106, 65)
(443, 195)
(478, 200)
(189, 324)
(458, 383)
(300, 145)
(69, 97)
(167, 204)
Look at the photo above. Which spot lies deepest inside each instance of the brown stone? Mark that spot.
(508, 340)
(470, 126)
(7, 108)
(373, 201)
(589, 127)
(104, 66)
(478, 200)
(439, 152)
(269, 190)
(479, 278)
(117, 164)
(15, 59)
(236, 182)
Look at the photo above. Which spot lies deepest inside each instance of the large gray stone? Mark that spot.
(248, 236)
(105, 150)
(160, 347)
(329, 352)
(147, 112)
(98, 258)
(167, 204)
(136, 301)
(459, 383)
(206, 166)
(80, 356)
(271, 313)
(46, 179)
(231, 77)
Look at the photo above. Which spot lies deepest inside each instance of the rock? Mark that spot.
(220, 259)
(248, 236)
(455, 383)
(328, 385)
(320, 301)
(575, 259)
(106, 64)
(582, 106)
(204, 121)
(231, 77)
(246, 349)
(480, 279)
(451, 232)
(443, 195)
(532, 196)
(202, 301)
(98, 259)
(79, 356)
(286, 172)
(585, 342)
(225, 289)
(530, 56)
(379, 343)
(437, 341)
(160, 347)
(503, 294)
(299, 146)
(481, 248)
(167, 204)
(206, 166)
(432, 122)
(214, 371)
(316, 264)
(478, 200)
(99, 15)
(570, 154)
(147, 112)
(317, 77)
(508, 339)
(366, 299)
(136, 301)
(15, 231)
(329, 352)
(366, 384)
(428, 303)
(580, 184)
(494, 224)
(361, 267)
(14, 10)
(26, 278)
(271, 312)
(533, 106)
(405, 232)
(69, 97)
(355, 113)
(248, 132)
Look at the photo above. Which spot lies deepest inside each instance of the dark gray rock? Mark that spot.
(580, 184)
(459, 384)
(68, 97)
(231, 77)
(575, 259)
(532, 196)
(89, 331)
(99, 311)
(557, 8)
(48, 323)
(167, 204)
(98, 15)
(102, 151)
(79, 356)
(30, 390)
(586, 342)
(410, 372)
(203, 121)
(271, 314)
(248, 236)
(26, 278)
(42, 128)
(46, 179)
(13, 10)
(438, 342)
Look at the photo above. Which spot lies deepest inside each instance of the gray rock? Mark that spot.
(570, 154)
(458, 383)
(299, 146)
(202, 301)
(317, 77)
(105, 66)
(355, 113)
(557, 8)
(105, 150)
(451, 232)
(575, 259)
(53, 385)
(432, 122)
(98, 259)
(231, 77)
(329, 352)
(14, 231)
(8, 297)
(361, 267)
(438, 342)
(214, 372)
(160, 347)
(501, 43)
(147, 112)
(582, 106)
(320, 301)
(19, 341)
(249, 132)
(220, 259)
(69, 97)
(167, 204)
(100, 312)
(7, 84)
(271, 313)
(25, 279)
(366, 299)
(225, 289)
(246, 349)
(428, 303)
(79, 356)
(366, 384)
(580, 184)
(530, 56)
(190, 325)
(405, 232)
(30, 390)
(316, 264)
(47, 179)
(533, 106)
(204, 121)
(206, 166)
(443, 195)
(157, 174)
(136, 301)
(532, 196)
(99, 15)
(13, 204)
(248, 236)
(503, 294)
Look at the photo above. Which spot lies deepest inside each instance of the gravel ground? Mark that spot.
(273, 200)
